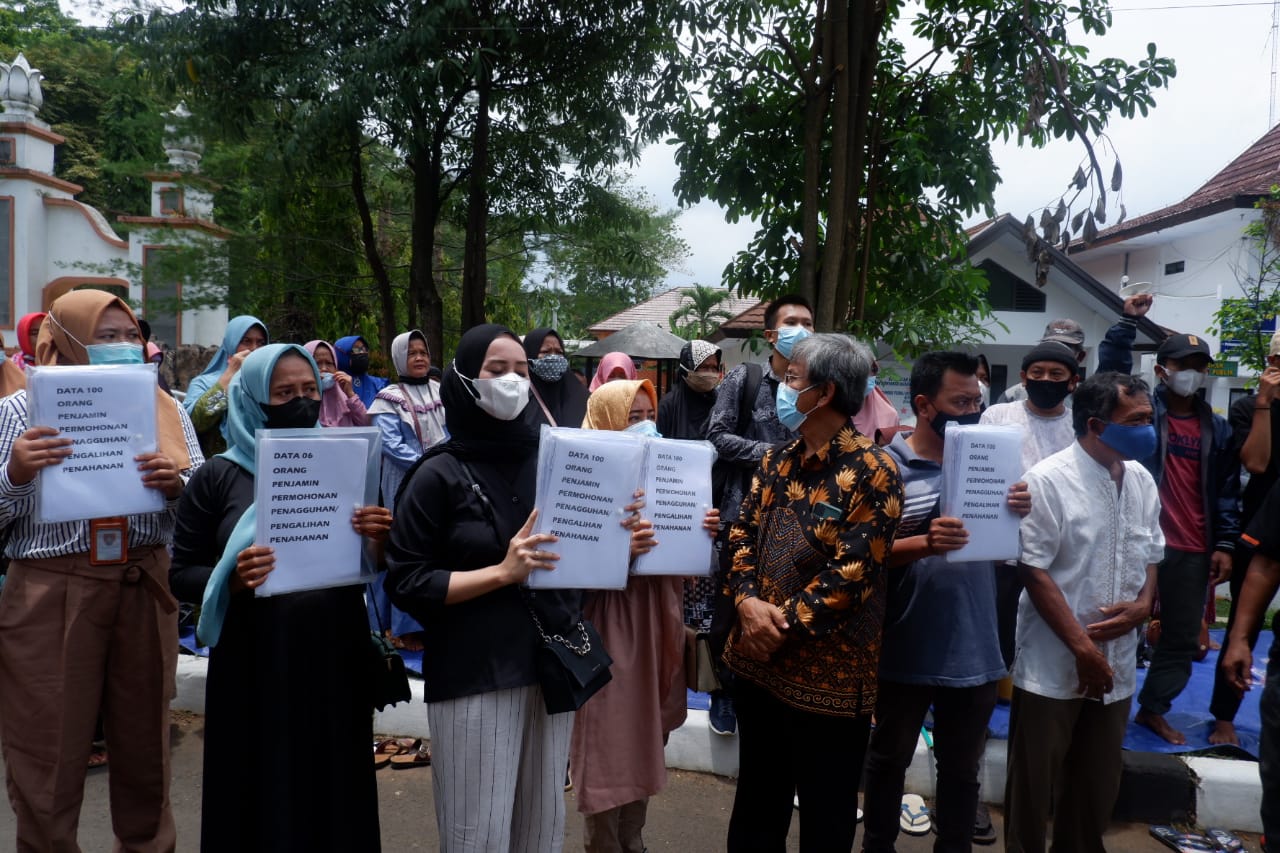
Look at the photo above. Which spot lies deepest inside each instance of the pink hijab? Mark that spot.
(609, 364)
(335, 410)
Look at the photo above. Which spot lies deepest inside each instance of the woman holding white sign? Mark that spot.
(288, 718)
(460, 549)
(618, 737)
(86, 619)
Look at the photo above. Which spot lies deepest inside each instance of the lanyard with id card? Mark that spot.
(108, 541)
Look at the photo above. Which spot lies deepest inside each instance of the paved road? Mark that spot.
(689, 817)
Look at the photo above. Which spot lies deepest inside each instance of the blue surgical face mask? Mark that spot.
(785, 401)
(1132, 442)
(871, 384)
(326, 381)
(646, 427)
(788, 337)
(119, 353)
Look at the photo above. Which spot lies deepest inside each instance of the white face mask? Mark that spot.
(503, 397)
(1184, 383)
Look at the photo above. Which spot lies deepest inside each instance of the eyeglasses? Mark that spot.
(359, 351)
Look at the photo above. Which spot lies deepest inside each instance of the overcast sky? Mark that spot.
(1214, 109)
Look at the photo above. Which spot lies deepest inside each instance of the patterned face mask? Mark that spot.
(549, 368)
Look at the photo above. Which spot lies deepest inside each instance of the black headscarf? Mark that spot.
(473, 433)
(684, 412)
(565, 399)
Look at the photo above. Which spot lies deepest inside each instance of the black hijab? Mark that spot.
(684, 412)
(473, 433)
(566, 399)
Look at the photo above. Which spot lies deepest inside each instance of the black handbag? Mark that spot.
(389, 682)
(570, 672)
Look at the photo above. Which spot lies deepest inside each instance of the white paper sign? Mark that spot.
(585, 478)
(109, 413)
(677, 489)
(306, 490)
(979, 465)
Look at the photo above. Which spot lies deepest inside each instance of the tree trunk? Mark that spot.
(817, 98)
(864, 34)
(426, 310)
(369, 239)
(838, 195)
(475, 266)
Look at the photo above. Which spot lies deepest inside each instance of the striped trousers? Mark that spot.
(497, 768)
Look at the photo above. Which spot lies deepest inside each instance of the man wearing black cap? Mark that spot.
(1199, 478)
(1066, 333)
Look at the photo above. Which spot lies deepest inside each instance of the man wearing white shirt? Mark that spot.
(1089, 551)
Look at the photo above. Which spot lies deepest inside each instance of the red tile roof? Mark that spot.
(660, 308)
(1242, 182)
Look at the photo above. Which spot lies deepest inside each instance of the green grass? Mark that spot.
(1224, 607)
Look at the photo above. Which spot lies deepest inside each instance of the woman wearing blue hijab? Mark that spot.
(288, 719)
(353, 359)
(206, 399)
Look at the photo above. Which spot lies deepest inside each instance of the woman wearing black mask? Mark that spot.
(287, 712)
(558, 395)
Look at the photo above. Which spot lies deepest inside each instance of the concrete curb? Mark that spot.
(1156, 788)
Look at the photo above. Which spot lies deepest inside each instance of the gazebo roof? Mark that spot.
(645, 341)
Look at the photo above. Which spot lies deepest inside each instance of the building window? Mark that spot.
(1175, 267)
(171, 202)
(1007, 292)
(8, 150)
(161, 293)
(6, 261)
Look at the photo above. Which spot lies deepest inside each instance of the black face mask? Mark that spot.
(939, 422)
(1046, 394)
(298, 413)
(359, 363)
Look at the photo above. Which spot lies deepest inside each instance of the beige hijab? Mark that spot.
(75, 318)
(609, 405)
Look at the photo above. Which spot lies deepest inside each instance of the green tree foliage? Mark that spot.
(700, 313)
(112, 119)
(610, 255)
(486, 99)
(860, 155)
(1243, 319)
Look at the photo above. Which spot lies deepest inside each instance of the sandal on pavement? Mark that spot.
(1184, 842)
(421, 757)
(914, 819)
(98, 757)
(385, 750)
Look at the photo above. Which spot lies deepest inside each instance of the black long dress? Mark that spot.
(288, 722)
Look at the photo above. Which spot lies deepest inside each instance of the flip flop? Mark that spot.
(1184, 842)
(914, 819)
(420, 757)
(1225, 840)
(385, 750)
(98, 757)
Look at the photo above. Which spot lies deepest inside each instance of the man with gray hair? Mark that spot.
(808, 581)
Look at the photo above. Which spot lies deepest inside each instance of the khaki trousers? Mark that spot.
(76, 638)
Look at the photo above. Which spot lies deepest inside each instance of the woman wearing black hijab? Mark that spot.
(455, 565)
(685, 408)
(557, 392)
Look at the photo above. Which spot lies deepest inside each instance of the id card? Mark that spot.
(108, 541)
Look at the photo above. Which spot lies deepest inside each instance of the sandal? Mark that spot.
(421, 757)
(385, 750)
(98, 757)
